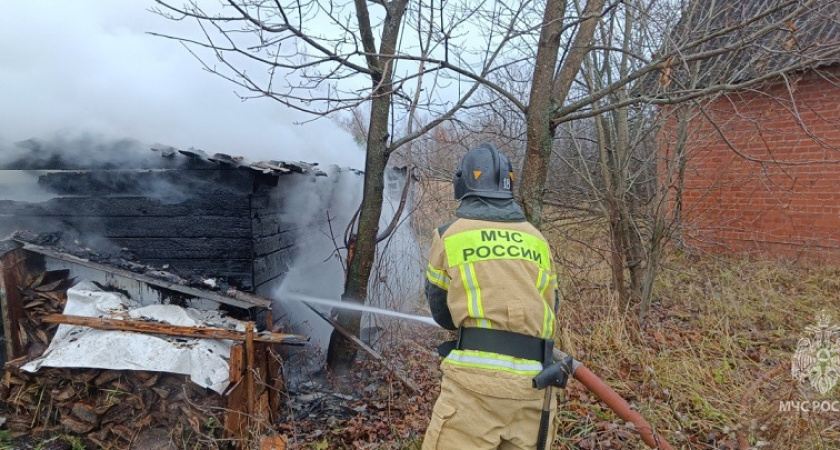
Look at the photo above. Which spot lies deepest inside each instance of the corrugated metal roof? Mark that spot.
(126, 154)
(273, 167)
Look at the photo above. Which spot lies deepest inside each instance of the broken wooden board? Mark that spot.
(173, 330)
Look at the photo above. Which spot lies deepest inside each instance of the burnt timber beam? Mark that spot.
(140, 326)
(11, 276)
(231, 297)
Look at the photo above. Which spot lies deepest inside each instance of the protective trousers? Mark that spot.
(462, 419)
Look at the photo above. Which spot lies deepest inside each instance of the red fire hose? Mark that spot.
(616, 403)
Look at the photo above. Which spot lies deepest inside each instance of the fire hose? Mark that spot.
(555, 376)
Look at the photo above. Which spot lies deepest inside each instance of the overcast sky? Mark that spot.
(89, 66)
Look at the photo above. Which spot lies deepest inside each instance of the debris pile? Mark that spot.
(376, 410)
(41, 295)
(116, 407)
(108, 407)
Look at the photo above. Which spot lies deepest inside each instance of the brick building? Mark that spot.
(762, 175)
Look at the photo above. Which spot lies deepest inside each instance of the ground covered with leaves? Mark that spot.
(374, 409)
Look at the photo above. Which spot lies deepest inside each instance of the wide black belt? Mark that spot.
(502, 342)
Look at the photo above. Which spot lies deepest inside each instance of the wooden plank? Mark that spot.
(167, 185)
(249, 367)
(268, 198)
(270, 225)
(237, 271)
(271, 266)
(237, 363)
(275, 385)
(205, 267)
(238, 299)
(139, 326)
(12, 268)
(47, 159)
(272, 244)
(194, 226)
(263, 203)
(246, 419)
(265, 378)
(236, 418)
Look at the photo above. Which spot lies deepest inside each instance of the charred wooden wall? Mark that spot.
(205, 221)
(273, 237)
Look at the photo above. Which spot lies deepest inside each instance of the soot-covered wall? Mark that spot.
(179, 211)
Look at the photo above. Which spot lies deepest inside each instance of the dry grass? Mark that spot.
(717, 327)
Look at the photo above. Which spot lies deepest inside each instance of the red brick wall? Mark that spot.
(763, 172)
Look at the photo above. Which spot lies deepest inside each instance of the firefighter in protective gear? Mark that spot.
(491, 278)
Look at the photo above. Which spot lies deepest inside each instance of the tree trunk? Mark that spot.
(547, 95)
(633, 252)
(652, 268)
(617, 258)
(607, 169)
(342, 352)
(540, 134)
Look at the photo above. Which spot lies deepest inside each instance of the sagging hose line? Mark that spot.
(615, 402)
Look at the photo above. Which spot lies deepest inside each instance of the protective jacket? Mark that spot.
(489, 269)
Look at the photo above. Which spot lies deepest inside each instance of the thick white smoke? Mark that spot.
(91, 66)
(317, 271)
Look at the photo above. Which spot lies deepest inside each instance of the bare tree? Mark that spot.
(326, 57)
(549, 88)
(416, 65)
(646, 65)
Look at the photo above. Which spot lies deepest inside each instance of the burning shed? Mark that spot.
(182, 211)
(158, 226)
(166, 226)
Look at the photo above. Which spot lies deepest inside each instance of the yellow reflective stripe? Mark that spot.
(473, 291)
(437, 277)
(493, 361)
(495, 244)
(553, 280)
(542, 282)
(548, 322)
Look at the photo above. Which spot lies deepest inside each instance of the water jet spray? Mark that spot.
(360, 307)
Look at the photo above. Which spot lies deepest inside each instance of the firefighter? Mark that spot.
(490, 277)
